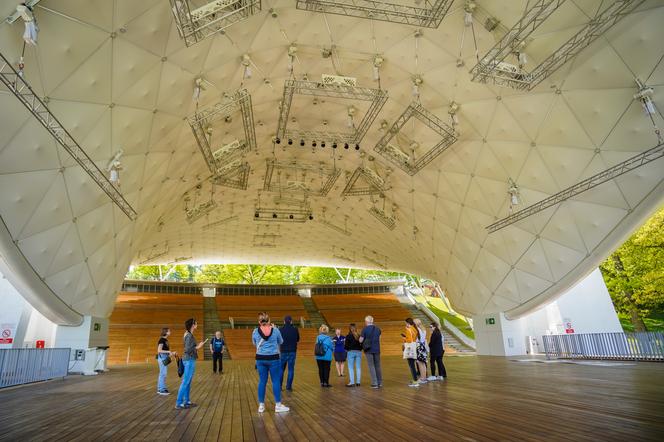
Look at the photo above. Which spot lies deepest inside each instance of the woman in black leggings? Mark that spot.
(436, 352)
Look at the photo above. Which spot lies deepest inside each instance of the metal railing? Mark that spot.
(26, 365)
(642, 346)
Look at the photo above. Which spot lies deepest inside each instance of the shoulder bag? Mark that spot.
(366, 344)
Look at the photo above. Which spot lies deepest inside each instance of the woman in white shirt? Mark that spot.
(422, 351)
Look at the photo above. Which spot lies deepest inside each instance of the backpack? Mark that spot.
(319, 349)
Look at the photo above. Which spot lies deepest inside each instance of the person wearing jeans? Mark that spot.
(354, 349)
(324, 360)
(291, 337)
(189, 356)
(267, 339)
(371, 334)
(163, 353)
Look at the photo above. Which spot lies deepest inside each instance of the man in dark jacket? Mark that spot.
(288, 350)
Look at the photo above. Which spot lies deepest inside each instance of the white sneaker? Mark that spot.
(432, 378)
(413, 384)
(261, 408)
(440, 378)
(280, 408)
(422, 381)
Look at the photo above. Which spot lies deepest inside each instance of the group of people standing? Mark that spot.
(276, 350)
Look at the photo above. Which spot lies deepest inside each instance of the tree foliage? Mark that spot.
(634, 273)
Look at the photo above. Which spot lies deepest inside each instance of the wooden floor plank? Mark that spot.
(483, 399)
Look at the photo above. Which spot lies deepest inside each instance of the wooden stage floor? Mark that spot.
(484, 399)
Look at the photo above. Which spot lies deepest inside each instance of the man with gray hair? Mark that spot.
(370, 340)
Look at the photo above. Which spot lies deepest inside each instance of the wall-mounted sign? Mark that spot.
(97, 326)
(7, 332)
(490, 321)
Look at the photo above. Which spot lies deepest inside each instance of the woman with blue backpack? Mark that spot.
(323, 352)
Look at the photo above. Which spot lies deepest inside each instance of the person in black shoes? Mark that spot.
(217, 345)
(354, 350)
(291, 337)
(189, 356)
(370, 340)
(436, 352)
(323, 353)
(163, 359)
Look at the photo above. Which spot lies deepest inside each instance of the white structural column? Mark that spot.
(585, 308)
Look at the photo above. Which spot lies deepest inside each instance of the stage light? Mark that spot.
(31, 27)
(301, 142)
(246, 62)
(290, 216)
(256, 215)
(357, 147)
(377, 62)
(334, 145)
(468, 8)
(417, 82)
(290, 142)
(278, 141)
(313, 144)
(322, 144)
(345, 145)
(274, 215)
(311, 217)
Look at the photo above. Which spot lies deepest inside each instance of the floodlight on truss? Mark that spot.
(389, 221)
(328, 176)
(376, 98)
(202, 120)
(293, 215)
(628, 165)
(219, 222)
(409, 163)
(375, 184)
(198, 19)
(18, 86)
(427, 14)
(234, 175)
(199, 211)
(493, 67)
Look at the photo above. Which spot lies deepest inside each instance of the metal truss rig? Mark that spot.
(377, 97)
(628, 165)
(295, 215)
(196, 24)
(329, 175)
(375, 184)
(235, 176)
(493, 68)
(429, 15)
(18, 86)
(201, 120)
(402, 160)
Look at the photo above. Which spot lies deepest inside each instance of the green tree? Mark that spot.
(634, 273)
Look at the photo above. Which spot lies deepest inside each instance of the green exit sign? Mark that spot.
(490, 321)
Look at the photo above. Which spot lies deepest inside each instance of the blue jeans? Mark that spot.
(163, 371)
(287, 359)
(185, 386)
(355, 357)
(273, 368)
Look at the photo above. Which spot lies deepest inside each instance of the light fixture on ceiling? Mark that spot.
(468, 10)
(417, 82)
(31, 27)
(515, 197)
(521, 57)
(326, 52)
(246, 62)
(350, 113)
(452, 111)
(114, 167)
(292, 52)
(200, 85)
(377, 63)
(644, 95)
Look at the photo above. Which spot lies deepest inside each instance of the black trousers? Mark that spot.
(218, 357)
(324, 371)
(438, 360)
(413, 370)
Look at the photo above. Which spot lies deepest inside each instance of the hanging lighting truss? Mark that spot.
(281, 183)
(202, 126)
(409, 162)
(234, 175)
(628, 165)
(327, 223)
(355, 133)
(388, 220)
(293, 215)
(426, 14)
(494, 67)
(18, 86)
(365, 181)
(220, 222)
(198, 19)
(192, 214)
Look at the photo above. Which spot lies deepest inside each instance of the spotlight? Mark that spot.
(334, 145)
(278, 141)
(301, 142)
(311, 217)
(290, 216)
(274, 215)
(256, 215)
(290, 142)
(322, 144)
(345, 145)
(313, 144)
(357, 147)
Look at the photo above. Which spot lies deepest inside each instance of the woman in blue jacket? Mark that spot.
(267, 339)
(324, 346)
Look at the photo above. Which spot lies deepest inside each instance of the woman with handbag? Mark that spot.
(163, 359)
(422, 350)
(189, 356)
(410, 337)
(267, 339)
(323, 352)
(354, 349)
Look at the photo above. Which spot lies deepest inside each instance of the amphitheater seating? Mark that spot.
(240, 346)
(244, 309)
(340, 310)
(137, 320)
